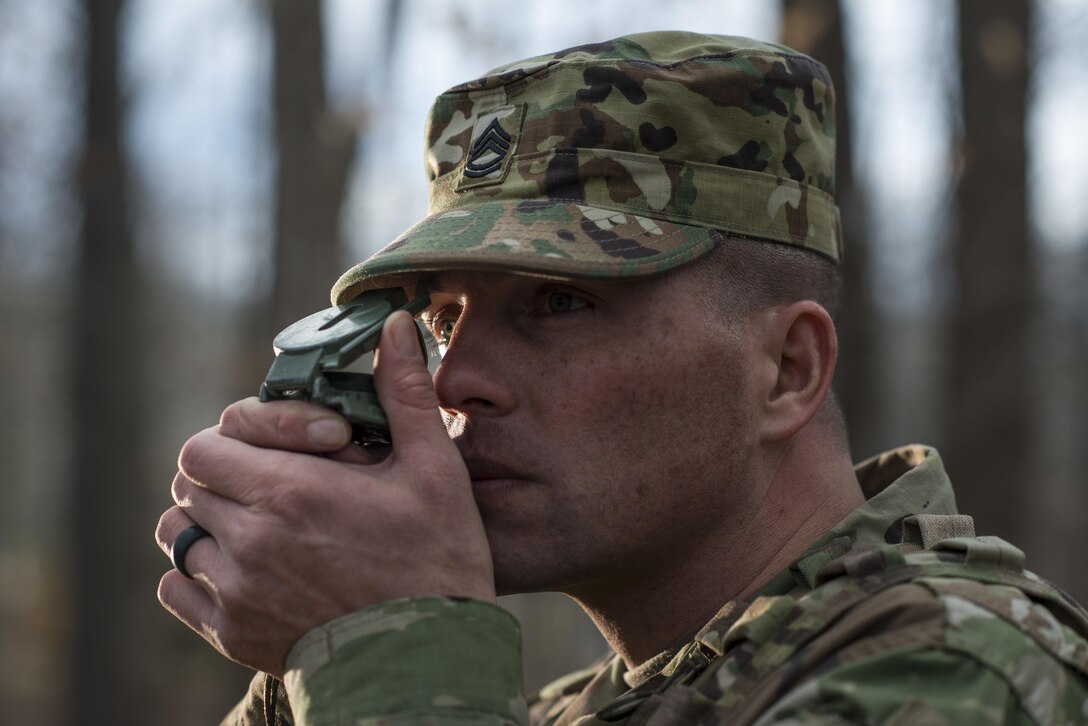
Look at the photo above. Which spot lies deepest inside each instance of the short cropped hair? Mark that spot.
(743, 275)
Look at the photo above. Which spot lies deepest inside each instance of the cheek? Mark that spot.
(628, 412)
(600, 387)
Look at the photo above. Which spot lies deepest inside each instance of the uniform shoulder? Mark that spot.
(956, 624)
(942, 650)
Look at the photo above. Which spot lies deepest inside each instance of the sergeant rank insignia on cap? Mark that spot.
(494, 143)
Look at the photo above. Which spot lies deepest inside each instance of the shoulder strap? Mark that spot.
(925, 530)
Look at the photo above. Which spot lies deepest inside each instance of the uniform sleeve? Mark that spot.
(428, 659)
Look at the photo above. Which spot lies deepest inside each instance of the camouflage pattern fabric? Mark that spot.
(430, 649)
(866, 627)
(265, 703)
(622, 159)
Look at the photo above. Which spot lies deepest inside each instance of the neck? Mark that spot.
(646, 612)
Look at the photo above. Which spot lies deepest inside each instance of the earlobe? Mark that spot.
(803, 343)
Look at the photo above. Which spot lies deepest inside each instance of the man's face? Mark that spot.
(605, 425)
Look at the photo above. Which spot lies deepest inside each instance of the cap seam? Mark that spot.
(584, 63)
(739, 53)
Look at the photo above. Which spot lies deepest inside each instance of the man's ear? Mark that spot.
(799, 348)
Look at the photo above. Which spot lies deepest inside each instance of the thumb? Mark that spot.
(406, 392)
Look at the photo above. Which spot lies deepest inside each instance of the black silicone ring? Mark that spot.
(183, 543)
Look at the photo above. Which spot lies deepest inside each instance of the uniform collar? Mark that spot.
(896, 484)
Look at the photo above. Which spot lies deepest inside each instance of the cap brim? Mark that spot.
(552, 239)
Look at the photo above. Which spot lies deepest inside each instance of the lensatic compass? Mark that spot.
(313, 353)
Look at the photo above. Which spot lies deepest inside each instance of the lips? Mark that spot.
(493, 453)
(484, 469)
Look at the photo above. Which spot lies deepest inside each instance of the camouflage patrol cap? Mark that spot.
(622, 159)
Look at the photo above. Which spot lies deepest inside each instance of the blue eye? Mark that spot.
(563, 302)
(440, 325)
(442, 328)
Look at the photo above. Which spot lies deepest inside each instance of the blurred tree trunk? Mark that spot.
(815, 27)
(990, 448)
(316, 151)
(109, 536)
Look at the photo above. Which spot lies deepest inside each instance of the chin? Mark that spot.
(517, 578)
(506, 584)
(534, 576)
(528, 556)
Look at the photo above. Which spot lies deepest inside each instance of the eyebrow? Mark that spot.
(453, 281)
(429, 282)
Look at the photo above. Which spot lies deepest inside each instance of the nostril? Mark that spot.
(467, 407)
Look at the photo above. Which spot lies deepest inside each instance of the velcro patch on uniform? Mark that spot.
(494, 143)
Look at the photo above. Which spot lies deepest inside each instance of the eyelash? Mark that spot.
(433, 323)
(438, 323)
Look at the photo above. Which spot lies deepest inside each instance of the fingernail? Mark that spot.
(327, 432)
(403, 335)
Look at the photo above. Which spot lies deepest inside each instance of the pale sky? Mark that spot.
(197, 74)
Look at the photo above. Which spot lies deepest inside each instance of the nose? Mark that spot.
(476, 376)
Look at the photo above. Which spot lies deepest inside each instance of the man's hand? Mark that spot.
(306, 528)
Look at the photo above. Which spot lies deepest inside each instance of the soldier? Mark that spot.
(631, 257)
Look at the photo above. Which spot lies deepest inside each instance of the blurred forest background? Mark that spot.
(178, 180)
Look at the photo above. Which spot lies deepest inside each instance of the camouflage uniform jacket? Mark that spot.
(898, 615)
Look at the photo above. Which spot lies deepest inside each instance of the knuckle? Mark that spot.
(246, 549)
(228, 639)
(162, 531)
(240, 601)
(293, 492)
(179, 489)
(231, 595)
(167, 591)
(282, 429)
(231, 421)
(242, 420)
(193, 454)
(275, 423)
(287, 500)
(188, 456)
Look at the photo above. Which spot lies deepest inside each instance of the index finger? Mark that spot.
(248, 474)
(289, 425)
